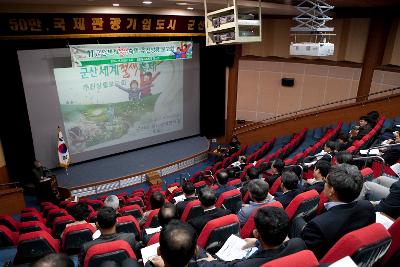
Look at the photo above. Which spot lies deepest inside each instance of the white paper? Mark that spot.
(232, 249)
(151, 231)
(396, 168)
(149, 252)
(179, 198)
(374, 151)
(236, 164)
(96, 234)
(344, 262)
(384, 220)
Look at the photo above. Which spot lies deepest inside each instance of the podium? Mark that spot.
(153, 178)
(48, 190)
(11, 199)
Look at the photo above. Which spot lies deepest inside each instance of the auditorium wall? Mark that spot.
(3, 168)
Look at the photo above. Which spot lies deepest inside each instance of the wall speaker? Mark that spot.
(288, 82)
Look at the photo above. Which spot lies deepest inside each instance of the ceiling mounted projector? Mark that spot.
(312, 49)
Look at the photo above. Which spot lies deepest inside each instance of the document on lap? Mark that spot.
(232, 249)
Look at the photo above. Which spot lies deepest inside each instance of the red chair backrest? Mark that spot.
(177, 191)
(10, 222)
(322, 200)
(304, 205)
(60, 223)
(393, 252)
(232, 200)
(192, 209)
(99, 253)
(304, 258)
(275, 186)
(210, 233)
(152, 219)
(246, 198)
(133, 210)
(75, 236)
(128, 224)
(248, 227)
(32, 216)
(357, 244)
(7, 237)
(234, 182)
(135, 200)
(154, 239)
(31, 226)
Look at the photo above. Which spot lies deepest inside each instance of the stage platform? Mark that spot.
(130, 163)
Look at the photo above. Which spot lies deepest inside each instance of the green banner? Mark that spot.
(86, 55)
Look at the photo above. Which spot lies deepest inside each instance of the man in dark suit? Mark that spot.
(106, 222)
(391, 204)
(189, 191)
(277, 167)
(271, 229)
(321, 170)
(207, 199)
(343, 185)
(222, 179)
(363, 128)
(289, 187)
(251, 174)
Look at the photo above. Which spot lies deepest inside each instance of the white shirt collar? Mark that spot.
(332, 204)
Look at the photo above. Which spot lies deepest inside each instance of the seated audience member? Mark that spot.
(177, 246)
(321, 170)
(271, 230)
(343, 142)
(54, 260)
(237, 166)
(258, 190)
(262, 170)
(207, 200)
(106, 223)
(111, 201)
(384, 193)
(234, 145)
(190, 194)
(343, 185)
(326, 154)
(344, 157)
(251, 174)
(80, 212)
(392, 154)
(277, 167)
(156, 201)
(363, 128)
(373, 117)
(222, 179)
(167, 213)
(289, 185)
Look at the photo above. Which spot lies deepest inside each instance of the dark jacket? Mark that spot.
(287, 197)
(180, 206)
(363, 131)
(392, 155)
(271, 179)
(322, 232)
(318, 186)
(198, 223)
(223, 188)
(261, 256)
(391, 204)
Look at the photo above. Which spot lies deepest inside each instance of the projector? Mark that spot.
(312, 49)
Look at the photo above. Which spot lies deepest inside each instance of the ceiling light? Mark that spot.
(116, 4)
(190, 8)
(182, 4)
(147, 2)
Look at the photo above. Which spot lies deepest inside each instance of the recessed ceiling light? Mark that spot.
(115, 4)
(190, 8)
(182, 4)
(147, 2)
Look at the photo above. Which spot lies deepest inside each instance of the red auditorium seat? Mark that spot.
(304, 258)
(32, 246)
(237, 183)
(303, 205)
(152, 219)
(32, 226)
(54, 213)
(138, 193)
(31, 216)
(216, 167)
(95, 203)
(177, 192)
(7, 237)
(230, 200)
(135, 200)
(246, 198)
(217, 231)
(365, 246)
(133, 210)
(243, 173)
(128, 224)
(192, 210)
(92, 218)
(60, 223)
(9, 222)
(367, 174)
(75, 236)
(116, 251)
(24, 210)
(44, 204)
(102, 198)
(122, 201)
(380, 168)
(392, 256)
(248, 227)
(47, 208)
(225, 162)
(275, 186)
(123, 194)
(154, 239)
(200, 185)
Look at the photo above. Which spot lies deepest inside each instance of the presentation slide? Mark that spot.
(105, 105)
(111, 104)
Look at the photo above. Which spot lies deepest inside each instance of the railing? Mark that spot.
(363, 99)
